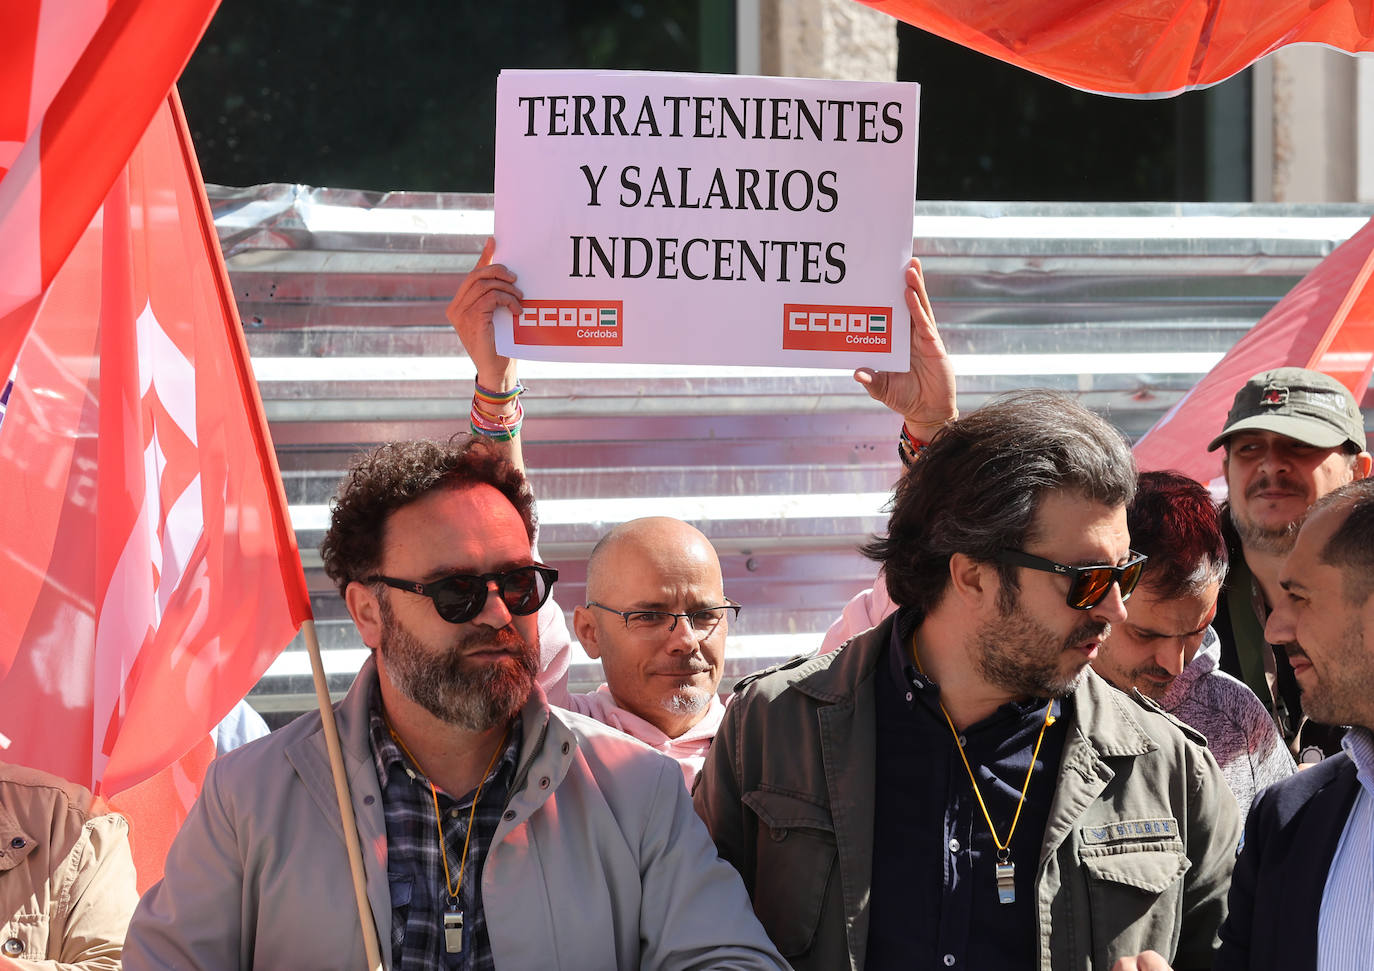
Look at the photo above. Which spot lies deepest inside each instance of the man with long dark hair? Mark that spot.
(955, 787)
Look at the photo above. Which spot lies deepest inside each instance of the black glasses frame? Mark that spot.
(459, 597)
(625, 615)
(1088, 585)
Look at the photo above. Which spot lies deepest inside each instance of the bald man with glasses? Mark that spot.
(657, 617)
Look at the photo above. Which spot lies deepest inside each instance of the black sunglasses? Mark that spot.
(461, 597)
(1088, 585)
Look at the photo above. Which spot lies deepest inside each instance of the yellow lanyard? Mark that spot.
(1005, 868)
(453, 920)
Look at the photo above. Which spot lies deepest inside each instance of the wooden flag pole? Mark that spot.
(350, 824)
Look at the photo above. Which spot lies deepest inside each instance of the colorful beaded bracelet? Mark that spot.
(909, 449)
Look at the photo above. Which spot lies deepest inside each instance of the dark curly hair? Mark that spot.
(976, 488)
(398, 473)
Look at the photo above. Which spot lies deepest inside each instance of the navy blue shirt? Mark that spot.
(934, 900)
(414, 864)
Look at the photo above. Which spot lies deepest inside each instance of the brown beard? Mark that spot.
(473, 697)
(1024, 658)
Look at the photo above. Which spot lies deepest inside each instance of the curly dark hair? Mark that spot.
(398, 473)
(976, 488)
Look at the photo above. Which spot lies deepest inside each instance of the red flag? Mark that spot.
(149, 571)
(1137, 47)
(1326, 323)
(79, 82)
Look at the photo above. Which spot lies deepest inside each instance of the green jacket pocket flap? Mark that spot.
(1151, 870)
(780, 811)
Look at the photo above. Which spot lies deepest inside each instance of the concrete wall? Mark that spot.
(1313, 132)
(825, 39)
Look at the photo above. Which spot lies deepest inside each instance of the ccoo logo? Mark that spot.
(571, 323)
(818, 327)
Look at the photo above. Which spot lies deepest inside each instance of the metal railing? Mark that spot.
(342, 297)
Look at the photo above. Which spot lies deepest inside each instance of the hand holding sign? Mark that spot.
(924, 395)
(486, 287)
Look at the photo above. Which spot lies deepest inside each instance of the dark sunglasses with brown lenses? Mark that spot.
(1088, 585)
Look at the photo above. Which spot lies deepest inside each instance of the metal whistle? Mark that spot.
(1006, 883)
(453, 931)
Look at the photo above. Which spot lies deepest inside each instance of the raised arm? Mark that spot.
(924, 395)
(496, 411)
(925, 398)
(497, 415)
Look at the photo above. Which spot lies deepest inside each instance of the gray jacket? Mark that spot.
(787, 792)
(598, 862)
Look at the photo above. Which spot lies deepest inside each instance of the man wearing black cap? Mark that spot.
(1292, 436)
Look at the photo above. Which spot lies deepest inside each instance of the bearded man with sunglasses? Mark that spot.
(496, 831)
(955, 787)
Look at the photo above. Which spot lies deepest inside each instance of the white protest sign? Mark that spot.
(705, 219)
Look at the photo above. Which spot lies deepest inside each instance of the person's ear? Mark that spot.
(1363, 462)
(366, 611)
(974, 583)
(584, 626)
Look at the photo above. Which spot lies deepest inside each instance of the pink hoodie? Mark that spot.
(689, 748)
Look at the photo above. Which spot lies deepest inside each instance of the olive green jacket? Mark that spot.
(1137, 852)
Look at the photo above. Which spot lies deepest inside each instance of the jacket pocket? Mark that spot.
(795, 861)
(1135, 893)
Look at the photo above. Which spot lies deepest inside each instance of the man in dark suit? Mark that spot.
(1302, 895)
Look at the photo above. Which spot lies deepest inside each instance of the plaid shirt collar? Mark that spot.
(415, 865)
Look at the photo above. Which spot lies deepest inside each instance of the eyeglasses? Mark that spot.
(1088, 585)
(461, 597)
(649, 622)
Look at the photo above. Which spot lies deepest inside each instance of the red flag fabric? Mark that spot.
(79, 82)
(1149, 48)
(149, 571)
(1326, 323)
(157, 807)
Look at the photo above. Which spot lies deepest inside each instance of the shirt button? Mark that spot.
(13, 947)
(962, 742)
(17, 843)
(954, 846)
(544, 782)
(508, 815)
(453, 814)
(949, 960)
(566, 747)
(909, 696)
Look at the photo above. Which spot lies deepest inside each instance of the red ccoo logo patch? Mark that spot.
(571, 323)
(817, 327)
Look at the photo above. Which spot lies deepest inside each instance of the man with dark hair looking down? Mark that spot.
(1166, 650)
(1303, 888)
(959, 761)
